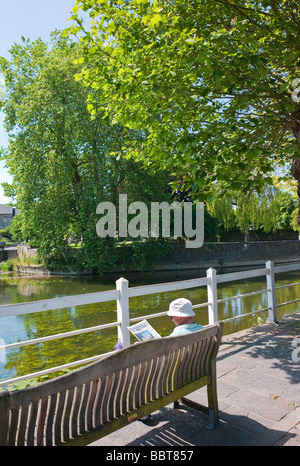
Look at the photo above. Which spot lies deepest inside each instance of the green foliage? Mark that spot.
(6, 266)
(209, 83)
(211, 225)
(62, 161)
(6, 233)
(142, 255)
(269, 211)
(287, 206)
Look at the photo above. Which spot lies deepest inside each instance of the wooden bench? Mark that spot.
(93, 401)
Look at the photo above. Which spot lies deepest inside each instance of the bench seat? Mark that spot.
(89, 403)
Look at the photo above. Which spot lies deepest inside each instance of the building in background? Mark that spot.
(7, 213)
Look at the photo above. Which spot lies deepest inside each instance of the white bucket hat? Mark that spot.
(180, 307)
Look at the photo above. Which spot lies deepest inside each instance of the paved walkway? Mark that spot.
(258, 391)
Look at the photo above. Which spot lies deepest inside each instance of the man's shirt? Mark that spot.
(185, 328)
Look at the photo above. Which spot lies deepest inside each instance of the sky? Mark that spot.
(29, 18)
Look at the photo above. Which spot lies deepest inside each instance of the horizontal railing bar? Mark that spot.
(57, 336)
(196, 306)
(57, 303)
(252, 293)
(148, 316)
(53, 369)
(228, 277)
(286, 286)
(171, 286)
(286, 268)
(288, 302)
(161, 314)
(246, 315)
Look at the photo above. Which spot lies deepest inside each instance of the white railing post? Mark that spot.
(271, 292)
(123, 312)
(212, 296)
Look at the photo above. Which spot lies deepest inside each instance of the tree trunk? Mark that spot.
(295, 168)
(246, 237)
(295, 171)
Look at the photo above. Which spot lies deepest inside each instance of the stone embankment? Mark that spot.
(221, 256)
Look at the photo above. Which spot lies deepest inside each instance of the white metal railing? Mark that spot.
(122, 293)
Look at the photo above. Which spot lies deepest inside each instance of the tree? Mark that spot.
(288, 204)
(60, 159)
(251, 211)
(208, 82)
(2, 92)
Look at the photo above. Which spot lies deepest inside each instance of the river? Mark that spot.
(29, 359)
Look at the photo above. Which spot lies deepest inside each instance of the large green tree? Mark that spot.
(60, 158)
(268, 211)
(209, 82)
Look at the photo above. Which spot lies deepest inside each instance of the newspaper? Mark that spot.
(143, 331)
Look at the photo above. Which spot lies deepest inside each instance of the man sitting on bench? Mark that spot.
(181, 313)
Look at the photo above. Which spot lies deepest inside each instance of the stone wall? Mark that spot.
(225, 255)
(5, 221)
(7, 213)
(221, 256)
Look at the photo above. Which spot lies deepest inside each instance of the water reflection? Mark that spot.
(30, 359)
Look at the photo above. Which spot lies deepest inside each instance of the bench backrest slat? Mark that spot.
(86, 399)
